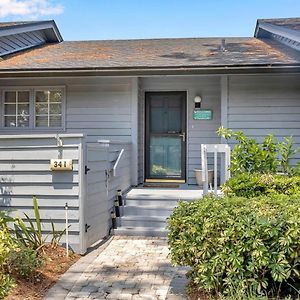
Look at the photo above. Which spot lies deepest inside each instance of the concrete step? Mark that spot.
(163, 194)
(148, 210)
(140, 231)
(143, 221)
(157, 202)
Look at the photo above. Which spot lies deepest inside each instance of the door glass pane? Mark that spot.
(165, 156)
(165, 113)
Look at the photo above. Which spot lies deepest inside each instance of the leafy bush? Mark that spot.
(250, 156)
(249, 246)
(6, 241)
(252, 185)
(6, 283)
(6, 246)
(23, 262)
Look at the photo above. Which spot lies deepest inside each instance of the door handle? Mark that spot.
(183, 136)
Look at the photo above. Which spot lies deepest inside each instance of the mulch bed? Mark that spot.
(195, 294)
(56, 264)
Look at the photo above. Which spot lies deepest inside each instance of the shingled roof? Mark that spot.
(163, 53)
(184, 53)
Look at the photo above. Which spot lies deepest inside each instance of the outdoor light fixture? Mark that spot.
(197, 101)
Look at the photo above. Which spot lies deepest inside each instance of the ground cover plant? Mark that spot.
(29, 265)
(238, 246)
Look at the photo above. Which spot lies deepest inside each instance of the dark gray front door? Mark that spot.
(165, 136)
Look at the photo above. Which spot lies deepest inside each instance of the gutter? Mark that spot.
(245, 69)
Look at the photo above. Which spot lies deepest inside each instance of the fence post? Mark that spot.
(215, 169)
(67, 229)
(204, 169)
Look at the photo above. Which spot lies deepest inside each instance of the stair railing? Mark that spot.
(115, 166)
(215, 149)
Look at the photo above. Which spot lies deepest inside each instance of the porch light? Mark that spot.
(197, 101)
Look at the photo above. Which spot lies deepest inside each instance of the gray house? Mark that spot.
(80, 120)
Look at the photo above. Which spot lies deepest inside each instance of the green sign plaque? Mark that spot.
(201, 114)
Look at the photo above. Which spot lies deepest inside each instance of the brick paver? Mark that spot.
(131, 268)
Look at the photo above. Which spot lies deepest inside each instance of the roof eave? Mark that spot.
(278, 30)
(237, 69)
(42, 25)
(256, 28)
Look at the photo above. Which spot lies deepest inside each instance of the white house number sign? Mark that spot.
(61, 164)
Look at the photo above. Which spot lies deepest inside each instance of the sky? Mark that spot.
(131, 19)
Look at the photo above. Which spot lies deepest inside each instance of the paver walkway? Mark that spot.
(129, 268)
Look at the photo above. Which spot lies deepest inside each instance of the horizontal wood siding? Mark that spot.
(101, 111)
(97, 206)
(25, 172)
(102, 190)
(265, 104)
(98, 107)
(198, 131)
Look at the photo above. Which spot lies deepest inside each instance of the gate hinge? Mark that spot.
(87, 227)
(86, 169)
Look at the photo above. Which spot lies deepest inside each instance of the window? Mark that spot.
(33, 108)
(16, 108)
(48, 108)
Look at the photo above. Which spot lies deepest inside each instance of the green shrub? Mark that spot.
(6, 283)
(270, 156)
(252, 185)
(6, 246)
(23, 262)
(235, 244)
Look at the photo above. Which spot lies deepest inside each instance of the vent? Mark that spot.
(223, 45)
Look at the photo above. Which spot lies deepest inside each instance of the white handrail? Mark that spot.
(215, 149)
(117, 162)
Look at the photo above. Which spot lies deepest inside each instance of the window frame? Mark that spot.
(32, 111)
(3, 109)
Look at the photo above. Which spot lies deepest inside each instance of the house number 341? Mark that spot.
(61, 165)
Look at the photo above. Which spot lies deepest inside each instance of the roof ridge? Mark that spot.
(159, 39)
